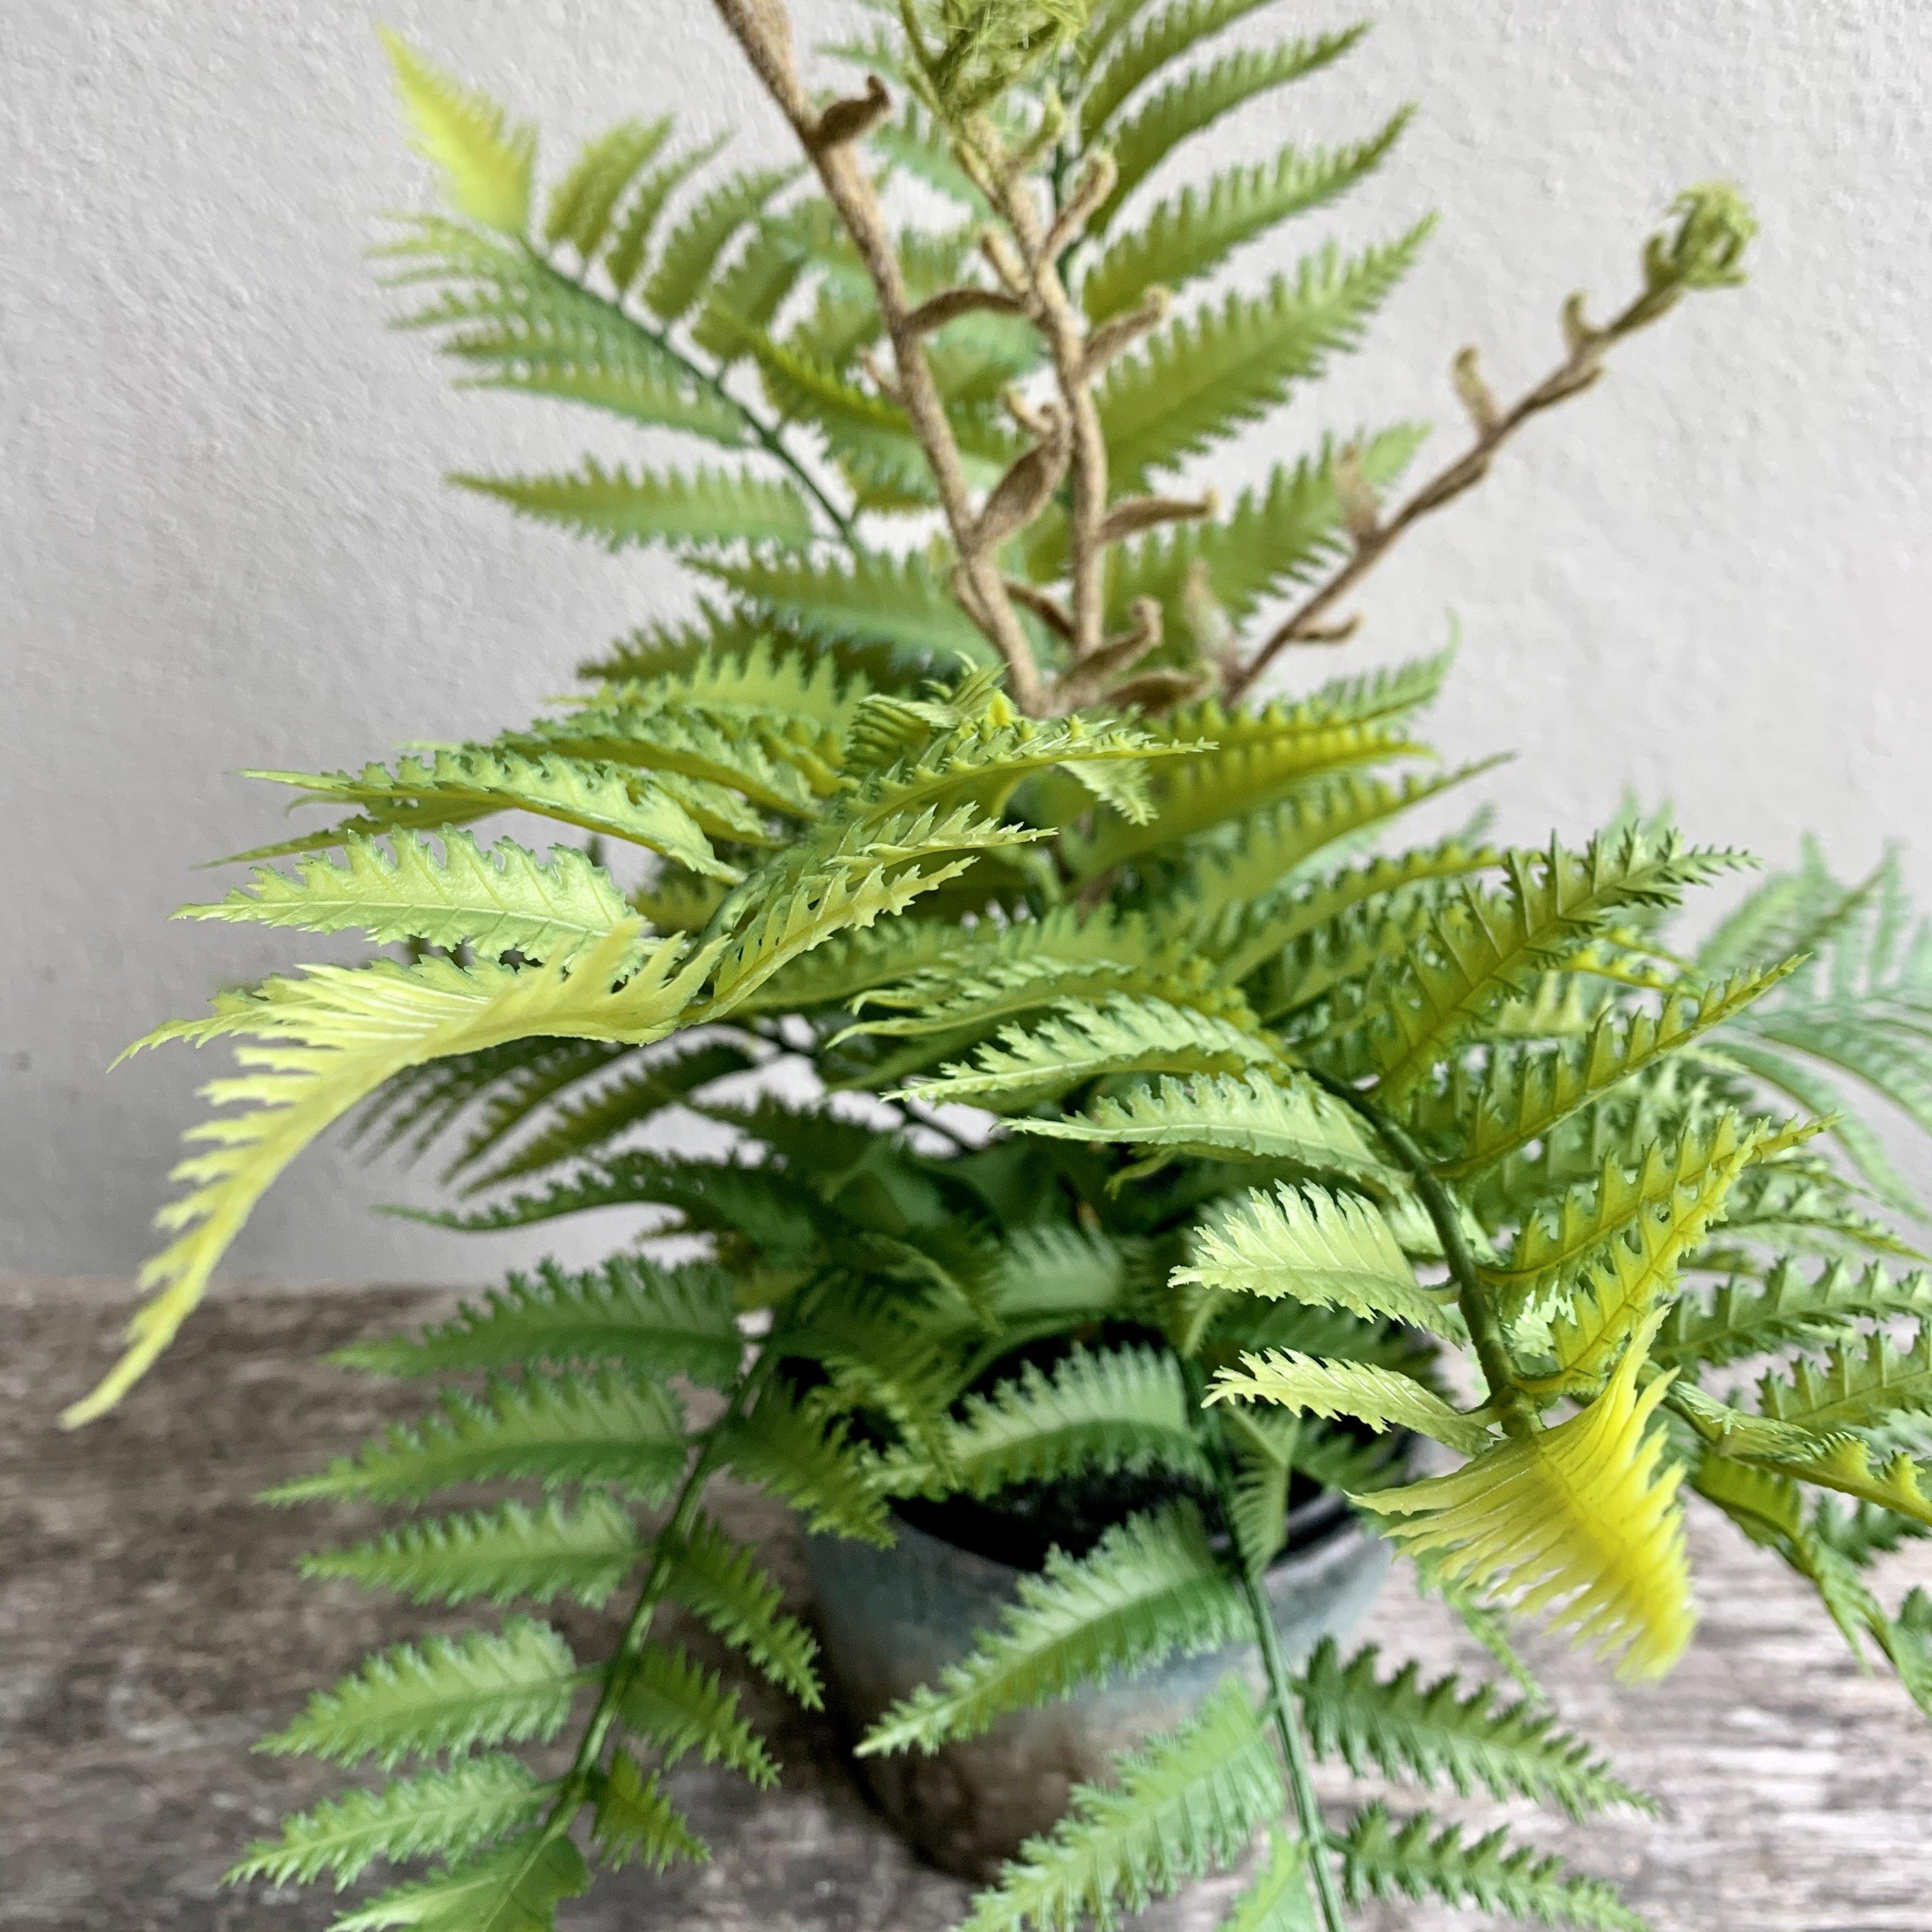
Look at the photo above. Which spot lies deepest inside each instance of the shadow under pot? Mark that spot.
(892, 1619)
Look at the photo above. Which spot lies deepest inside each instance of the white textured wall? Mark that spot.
(222, 542)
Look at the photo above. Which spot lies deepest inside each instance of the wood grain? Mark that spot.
(151, 1627)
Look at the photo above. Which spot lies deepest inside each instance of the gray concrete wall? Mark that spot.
(224, 543)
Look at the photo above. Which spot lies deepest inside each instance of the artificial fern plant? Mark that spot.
(1167, 1119)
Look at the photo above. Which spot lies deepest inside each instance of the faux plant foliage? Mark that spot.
(1284, 1133)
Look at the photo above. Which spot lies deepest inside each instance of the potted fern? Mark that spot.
(1199, 1196)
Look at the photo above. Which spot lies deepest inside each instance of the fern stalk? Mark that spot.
(1485, 1334)
(1282, 1708)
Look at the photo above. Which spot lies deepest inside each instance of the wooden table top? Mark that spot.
(151, 1628)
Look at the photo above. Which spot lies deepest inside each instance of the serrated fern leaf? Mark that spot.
(487, 163)
(616, 1426)
(516, 1889)
(692, 249)
(1259, 1117)
(1522, 1095)
(1863, 1382)
(680, 1707)
(583, 1551)
(1192, 234)
(1185, 1805)
(1186, 107)
(1331, 1250)
(509, 1687)
(1581, 1521)
(448, 1812)
(1129, 63)
(583, 203)
(1416, 1860)
(635, 1823)
(1086, 1041)
(1150, 1588)
(1363, 1391)
(784, 1448)
(1106, 1410)
(1749, 1317)
(867, 598)
(722, 1583)
(314, 1048)
(1637, 1271)
(657, 1321)
(1484, 950)
(703, 507)
(1277, 1901)
(1442, 1733)
(630, 239)
(451, 785)
(1204, 376)
(502, 901)
(589, 1126)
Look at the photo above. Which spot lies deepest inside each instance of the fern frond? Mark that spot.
(722, 1584)
(451, 785)
(582, 204)
(1277, 1901)
(1086, 1040)
(631, 240)
(784, 1448)
(505, 900)
(315, 1047)
(635, 1821)
(1257, 1116)
(692, 249)
(868, 597)
(446, 1695)
(616, 1426)
(1637, 1271)
(487, 163)
(1331, 1250)
(1204, 376)
(584, 1551)
(589, 1126)
(1193, 234)
(516, 1889)
(1438, 1732)
(1581, 1521)
(1381, 1859)
(448, 1812)
(1185, 1805)
(1105, 1410)
(1483, 950)
(1362, 1391)
(1256, 758)
(1745, 1318)
(1150, 1588)
(1864, 1382)
(1175, 31)
(700, 507)
(657, 1321)
(1552, 1248)
(680, 1707)
(1521, 1095)
(1186, 107)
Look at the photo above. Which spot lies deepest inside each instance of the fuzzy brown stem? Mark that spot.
(763, 29)
(1495, 426)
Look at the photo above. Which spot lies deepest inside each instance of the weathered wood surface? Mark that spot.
(150, 1627)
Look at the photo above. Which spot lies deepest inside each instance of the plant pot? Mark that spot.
(891, 1619)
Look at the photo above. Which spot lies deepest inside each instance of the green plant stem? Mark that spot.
(579, 1781)
(767, 433)
(1283, 1702)
(1485, 1333)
